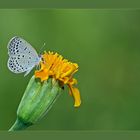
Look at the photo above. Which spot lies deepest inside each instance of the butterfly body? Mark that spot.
(22, 56)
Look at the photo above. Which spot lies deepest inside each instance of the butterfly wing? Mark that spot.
(20, 63)
(18, 45)
(22, 56)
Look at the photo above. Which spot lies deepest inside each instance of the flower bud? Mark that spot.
(36, 102)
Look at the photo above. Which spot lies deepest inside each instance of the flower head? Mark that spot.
(55, 66)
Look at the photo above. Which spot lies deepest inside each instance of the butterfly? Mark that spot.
(22, 56)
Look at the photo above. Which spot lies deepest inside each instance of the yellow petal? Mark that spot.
(76, 95)
(42, 74)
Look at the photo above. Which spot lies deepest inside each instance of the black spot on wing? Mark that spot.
(14, 45)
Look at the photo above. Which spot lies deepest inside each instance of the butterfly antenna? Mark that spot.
(41, 49)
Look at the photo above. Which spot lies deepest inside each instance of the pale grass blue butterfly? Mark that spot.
(22, 56)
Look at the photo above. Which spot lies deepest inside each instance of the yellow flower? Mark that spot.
(55, 66)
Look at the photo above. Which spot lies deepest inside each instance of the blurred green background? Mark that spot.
(105, 44)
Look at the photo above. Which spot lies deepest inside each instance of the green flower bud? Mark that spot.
(36, 102)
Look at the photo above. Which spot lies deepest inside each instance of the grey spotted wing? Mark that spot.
(20, 63)
(18, 45)
(22, 56)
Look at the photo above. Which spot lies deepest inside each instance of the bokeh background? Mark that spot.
(105, 44)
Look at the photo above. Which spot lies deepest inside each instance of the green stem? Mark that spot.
(19, 125)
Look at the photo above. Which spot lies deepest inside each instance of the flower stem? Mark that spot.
(19, 125)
